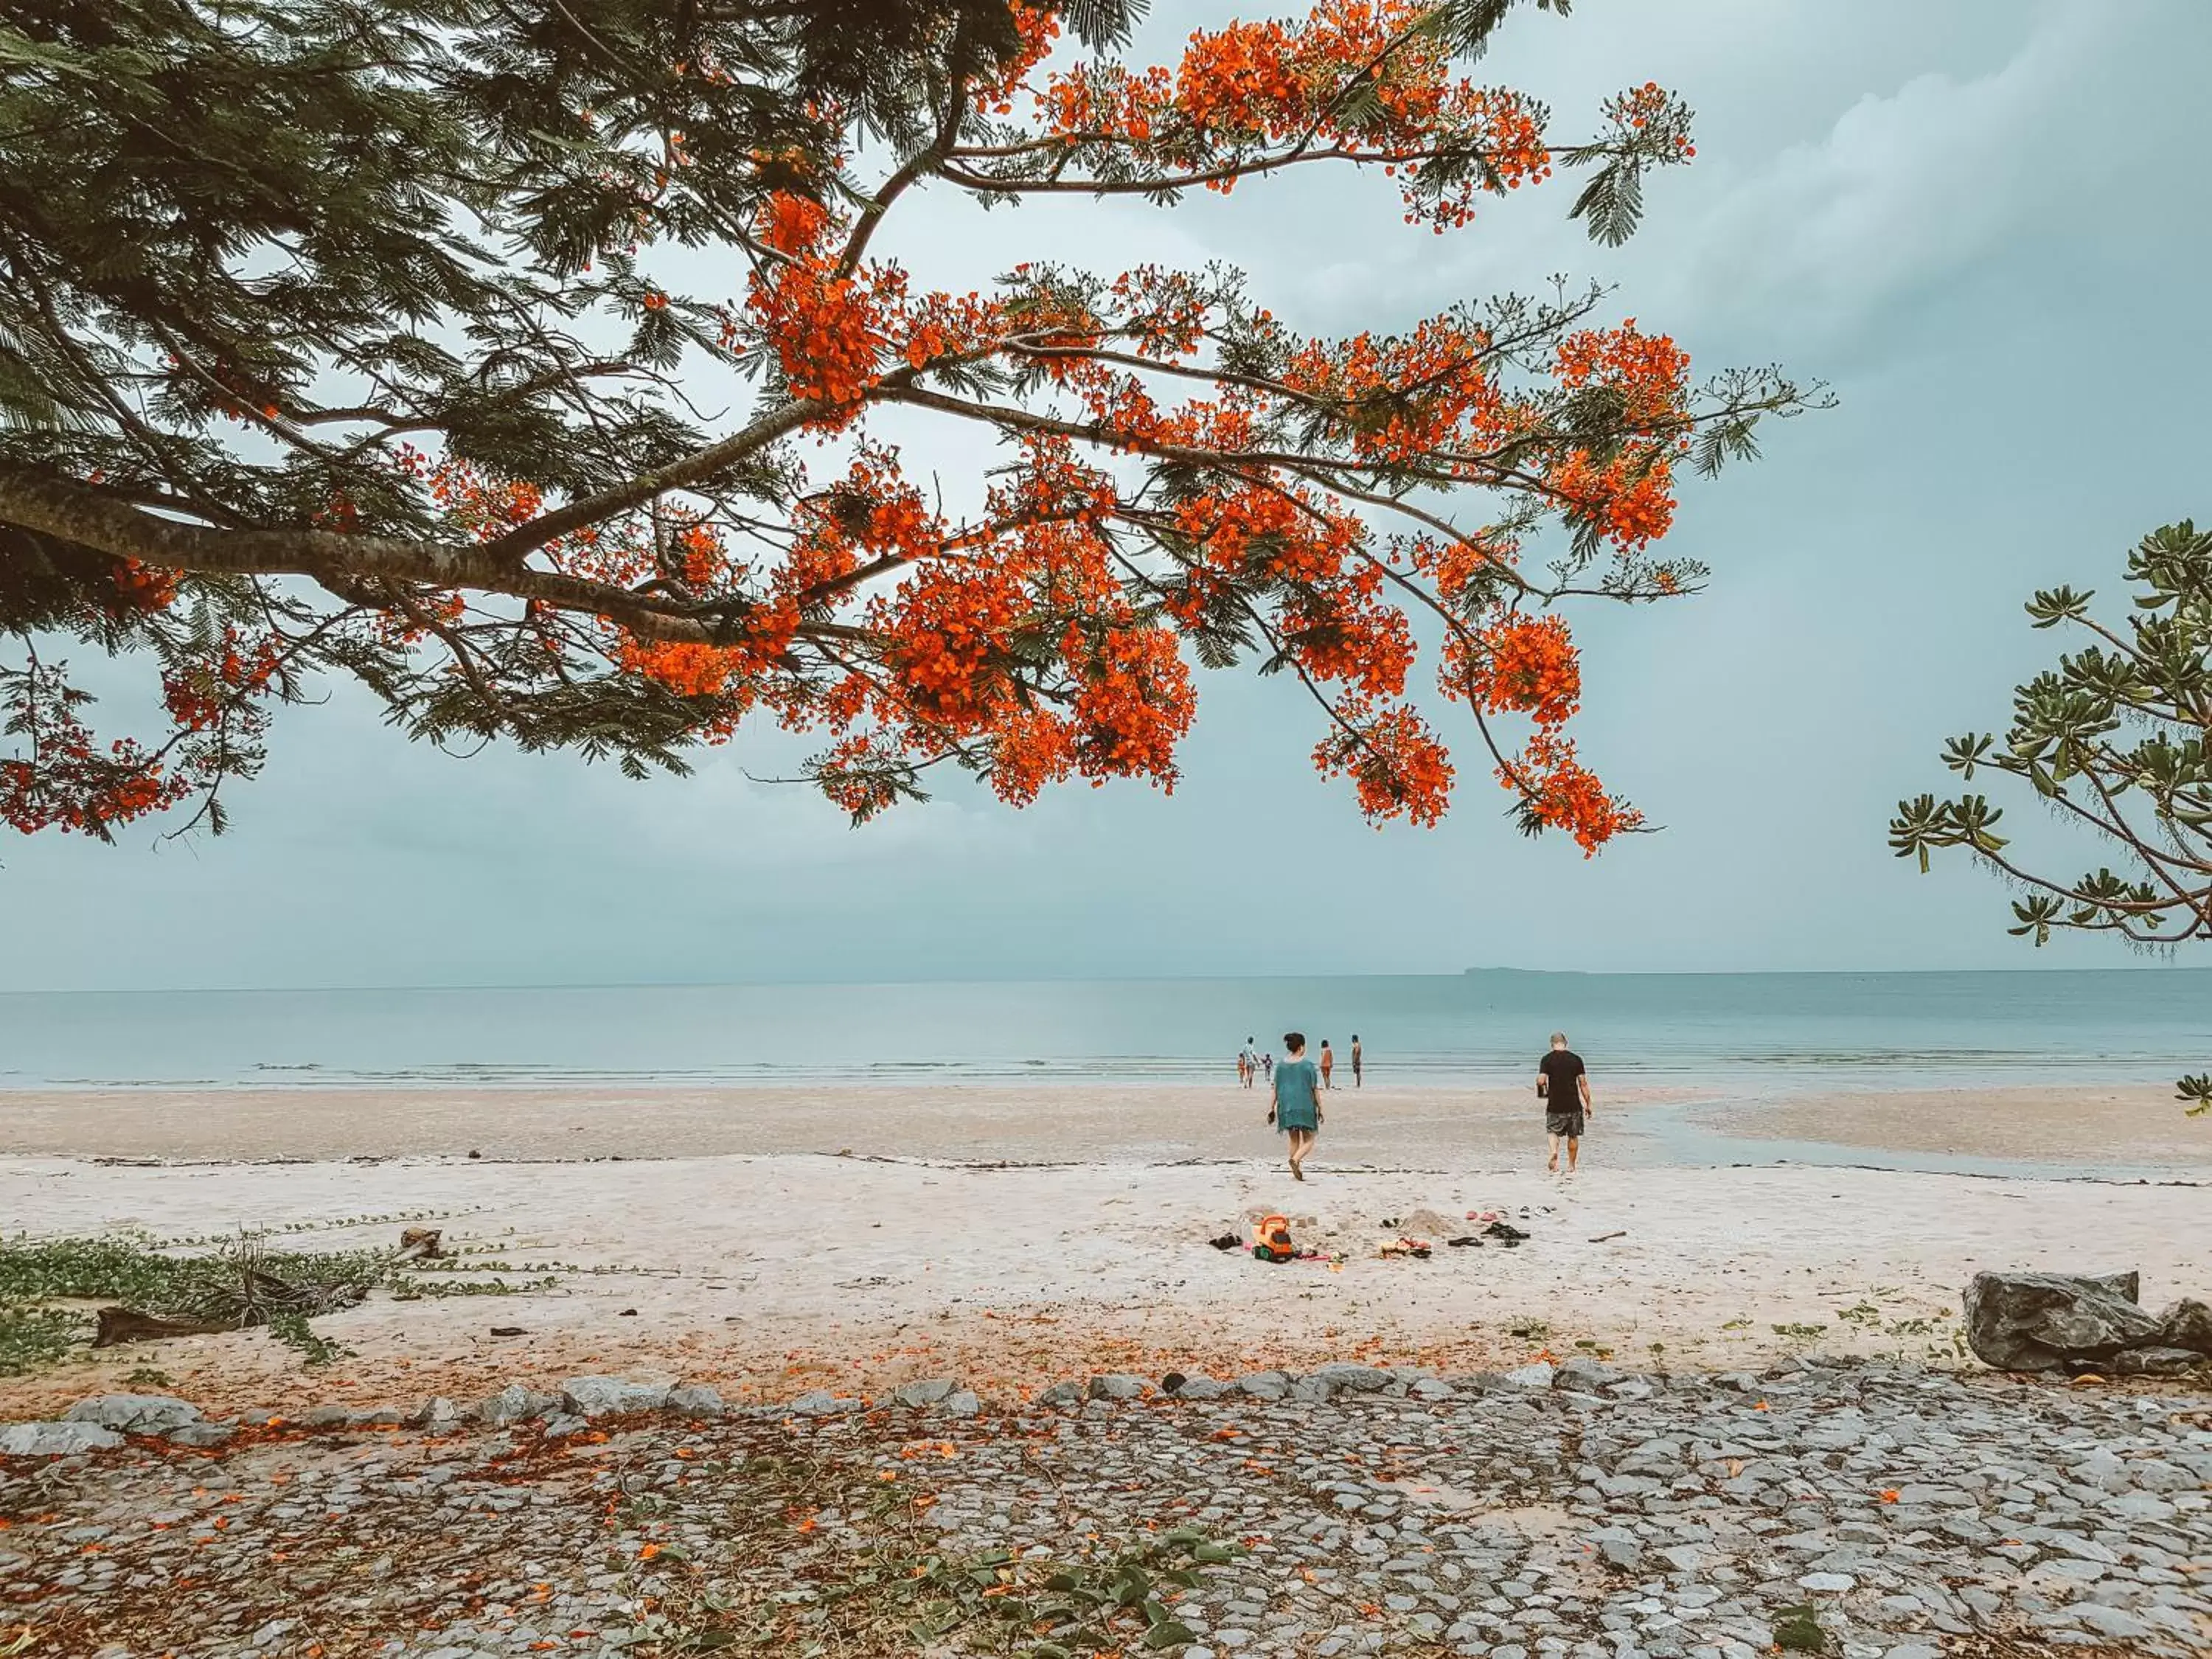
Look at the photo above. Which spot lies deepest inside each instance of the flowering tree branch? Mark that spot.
(361, 411)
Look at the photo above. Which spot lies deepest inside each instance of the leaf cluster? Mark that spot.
(2115, 740)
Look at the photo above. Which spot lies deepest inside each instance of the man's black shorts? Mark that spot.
(1564, 1123)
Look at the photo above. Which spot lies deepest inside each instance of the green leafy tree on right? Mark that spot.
(2118, 740)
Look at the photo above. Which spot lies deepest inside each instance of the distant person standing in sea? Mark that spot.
(1297, 1094)
(1355, 1059)
(1268, 1065)
(1327, 1065)
(1248, 1063)
(1563, 1085)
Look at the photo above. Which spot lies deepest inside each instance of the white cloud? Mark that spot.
(1905, 187)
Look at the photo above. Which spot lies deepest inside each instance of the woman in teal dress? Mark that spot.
(1297, 1109)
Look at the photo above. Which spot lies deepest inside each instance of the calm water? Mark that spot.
(1734, 1033)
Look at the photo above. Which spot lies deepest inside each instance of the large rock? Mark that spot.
(696, 1399)
(55, 1439)
(2155, 1361)
(1586, 1375)
(1355, 1379)
(924, 1391)
(512, 1404)
(610, 1396)
(134, 1413)
(2049, 1322)
(204, 1435)
(2186, 1324)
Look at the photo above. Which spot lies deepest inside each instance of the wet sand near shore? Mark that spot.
(2138, 1126)
(2126, 1129)
(1133, 1123)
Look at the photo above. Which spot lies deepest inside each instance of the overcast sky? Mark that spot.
(1980, 223)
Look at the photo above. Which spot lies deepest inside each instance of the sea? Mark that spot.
(1733, 1034)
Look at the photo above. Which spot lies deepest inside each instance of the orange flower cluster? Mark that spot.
(1564, 795)
(1650, 110)
(1408, 396)
(1134, 704)
(686, 668)
(1630, 495)
(1396, 763)
(66, 781)
(1249, 85)
(826, 330)
(1650, 372)
(146, 587)
(1457, 565)
(198, 691)
(834, 334)
(70, 787)
(486, 507)
(1037, 29)
(1526, 665)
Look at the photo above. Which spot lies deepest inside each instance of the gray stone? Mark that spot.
(2026, 1322)
(820, 1402)
(1062, 1393)
(927, 1392)
(134, 1413)
(2139, 1506)
(55, 1439)
(437, 1412)
(326, 1417)
(695, 1399)
(610, 1396)
(1828, 1584)
(1431, 1388)
(1265, 1385)
(512, 1404)
(2186, 1324)
(1118, 1386)
(1354, 1379)
(560, 1425)
(1205, 1387)
(1538, 1376)
(1625, 1553)
(1589, 1376)
(2158, 1362)
(2115, 1622)
(961, 1402)
(201, 1435)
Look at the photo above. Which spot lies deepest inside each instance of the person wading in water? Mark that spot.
(1297, 1109)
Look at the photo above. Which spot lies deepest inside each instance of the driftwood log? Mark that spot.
(129, 1325)
(260, 1294)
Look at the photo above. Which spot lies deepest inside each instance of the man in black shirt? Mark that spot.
(1563, 1085)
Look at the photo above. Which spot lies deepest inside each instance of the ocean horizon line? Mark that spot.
(2018, 972)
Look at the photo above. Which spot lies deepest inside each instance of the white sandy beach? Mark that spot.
(921, 1252)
